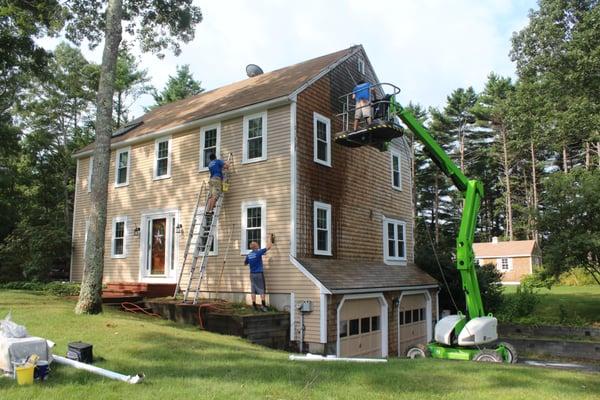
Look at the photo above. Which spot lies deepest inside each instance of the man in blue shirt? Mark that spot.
(362, 95)
(257, 278)
(215, 184)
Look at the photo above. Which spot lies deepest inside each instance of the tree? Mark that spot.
(156, 25)
(178, 87)
(570, 222)
(131, 82)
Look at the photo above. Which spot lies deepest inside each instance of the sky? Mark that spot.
(426, 47)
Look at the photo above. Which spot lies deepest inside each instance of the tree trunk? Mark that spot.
(565, 159)
(598, 153)
(588, 156)
(90, 300)
(509, 217)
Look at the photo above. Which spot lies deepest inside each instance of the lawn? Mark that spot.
(185, 363)
(571, 305)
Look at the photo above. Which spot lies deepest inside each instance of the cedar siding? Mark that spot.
(358, 183)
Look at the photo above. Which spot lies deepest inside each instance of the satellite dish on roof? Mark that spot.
(253, 70)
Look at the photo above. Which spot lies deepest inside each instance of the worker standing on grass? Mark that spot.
(361, 94)
(257, 278)
(215, 184)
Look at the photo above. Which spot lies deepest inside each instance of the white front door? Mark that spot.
(159, 247)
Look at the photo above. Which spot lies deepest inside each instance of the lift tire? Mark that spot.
(512, 352)
(418, 351)
(487, 355)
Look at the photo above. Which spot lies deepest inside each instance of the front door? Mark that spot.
(159, 253)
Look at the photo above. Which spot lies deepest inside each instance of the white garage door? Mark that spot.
(360, 328)
(412, 321)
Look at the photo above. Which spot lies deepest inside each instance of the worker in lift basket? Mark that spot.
(257, 278)
(215, 184)
(361, 94)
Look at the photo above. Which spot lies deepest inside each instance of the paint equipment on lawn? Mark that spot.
(24, 374)
(133, 379)
(316, 357)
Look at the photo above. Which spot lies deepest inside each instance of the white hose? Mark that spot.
(316, 357)
(99, 371)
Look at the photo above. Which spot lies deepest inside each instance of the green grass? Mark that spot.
(564, 305)
(184, 363)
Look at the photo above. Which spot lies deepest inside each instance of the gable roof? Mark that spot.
(244, 93)
(522, 248)
(343, 276)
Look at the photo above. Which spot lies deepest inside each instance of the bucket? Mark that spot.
(24, 374)
(41, 370)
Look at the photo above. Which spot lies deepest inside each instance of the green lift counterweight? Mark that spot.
(458, 337)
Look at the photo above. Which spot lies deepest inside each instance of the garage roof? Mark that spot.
(355, 275)
(513, 248)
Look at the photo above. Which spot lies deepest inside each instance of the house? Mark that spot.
(342, 218)
(515, 258)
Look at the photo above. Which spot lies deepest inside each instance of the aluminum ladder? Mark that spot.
(201, 237)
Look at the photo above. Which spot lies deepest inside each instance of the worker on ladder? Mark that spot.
(217, 170)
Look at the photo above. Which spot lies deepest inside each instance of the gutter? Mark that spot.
(278, 101)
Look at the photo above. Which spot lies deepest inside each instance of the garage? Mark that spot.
(413, 316)
(360, 328)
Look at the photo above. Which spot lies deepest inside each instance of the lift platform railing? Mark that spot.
(382, 105)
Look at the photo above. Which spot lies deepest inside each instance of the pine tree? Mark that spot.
(178, 87)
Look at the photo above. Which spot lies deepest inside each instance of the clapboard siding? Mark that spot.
(358, 184)
(267, 180)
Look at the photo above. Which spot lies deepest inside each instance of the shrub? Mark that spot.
(53, 288)
(519, 305)
(576, 277)
(539, 279)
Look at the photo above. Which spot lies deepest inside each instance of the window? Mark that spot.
(411, 316)
(90, 169)
(210, 143)
(254, 227)
(353, 327)
(365, 325)
(343, 329)
(322, 229)
(118, 237)
(255, 138)
(162, 158)
(322, 139)
(396, 176)
(394, 242)
(505, 264)
(375, 323)
(360, 63)
(122, 167)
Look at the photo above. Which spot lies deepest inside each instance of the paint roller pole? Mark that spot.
(99, 371)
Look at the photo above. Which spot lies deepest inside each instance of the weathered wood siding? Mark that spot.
(266, 180)
(358, 183)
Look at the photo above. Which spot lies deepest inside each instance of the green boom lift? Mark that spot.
(458, 337)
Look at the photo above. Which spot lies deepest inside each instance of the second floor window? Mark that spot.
(209, 144)
(122, 164)
(118, 239)
(254, 220)
(394, 240)
(255, 138)
(396, 175)
(162, 162)
(322, 139)
(322, 229)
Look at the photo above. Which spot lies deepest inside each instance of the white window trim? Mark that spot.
(393, 260)
(263, 223)
(360, 65)
(112, 239)
(90, 169)
(499, 264)
(247, 118)
(316, 118)
(170, 156)
(203, 130)
(393, 154)
(119, 152)
(322, 206)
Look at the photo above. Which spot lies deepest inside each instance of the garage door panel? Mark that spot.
(353, 309)
(412, 319)
(360, 328)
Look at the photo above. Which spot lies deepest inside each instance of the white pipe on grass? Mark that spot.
(316, 357)
(99, 371)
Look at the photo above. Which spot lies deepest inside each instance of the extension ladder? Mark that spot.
(199, 243)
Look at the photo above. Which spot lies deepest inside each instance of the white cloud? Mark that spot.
(427, 47)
